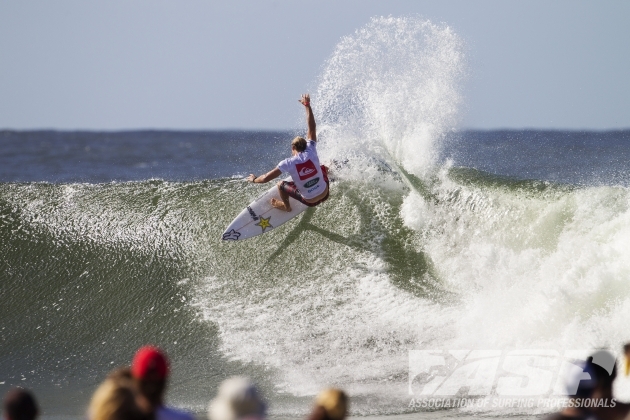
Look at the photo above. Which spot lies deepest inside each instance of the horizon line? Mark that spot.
(279, 130)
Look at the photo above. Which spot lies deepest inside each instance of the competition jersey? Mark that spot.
(305, 170)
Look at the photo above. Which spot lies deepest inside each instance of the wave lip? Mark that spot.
(393, 84)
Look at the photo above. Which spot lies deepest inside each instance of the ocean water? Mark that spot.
(433, 238)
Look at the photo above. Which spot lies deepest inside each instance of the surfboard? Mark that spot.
(260, 217)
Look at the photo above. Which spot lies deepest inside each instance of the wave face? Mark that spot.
(425, 256)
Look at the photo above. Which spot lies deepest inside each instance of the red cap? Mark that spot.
(149, 362)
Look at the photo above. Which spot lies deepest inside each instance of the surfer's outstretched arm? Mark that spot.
(310, 119)
(272, 174)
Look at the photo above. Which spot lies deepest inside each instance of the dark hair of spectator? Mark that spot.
(603, 379)
(19, 404)
(153, 390)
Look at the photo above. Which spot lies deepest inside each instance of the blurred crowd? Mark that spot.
(137, 393)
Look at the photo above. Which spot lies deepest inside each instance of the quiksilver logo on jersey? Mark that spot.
(312, 182)
(306, 170)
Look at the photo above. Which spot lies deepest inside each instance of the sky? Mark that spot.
(235, 64)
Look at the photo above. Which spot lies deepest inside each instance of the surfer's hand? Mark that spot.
(305, 100)
(251, 177)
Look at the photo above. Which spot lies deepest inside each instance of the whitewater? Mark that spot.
(414, 250)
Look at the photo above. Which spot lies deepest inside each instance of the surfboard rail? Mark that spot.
(261, 217)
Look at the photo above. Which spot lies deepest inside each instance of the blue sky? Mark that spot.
(242, 64)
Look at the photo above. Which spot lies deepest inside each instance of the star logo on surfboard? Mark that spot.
(231, 235)
(264, 223)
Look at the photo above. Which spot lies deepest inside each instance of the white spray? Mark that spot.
(393, 83)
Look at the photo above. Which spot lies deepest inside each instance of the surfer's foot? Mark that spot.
(279, 205)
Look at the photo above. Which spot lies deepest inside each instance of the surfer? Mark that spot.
(309, 183)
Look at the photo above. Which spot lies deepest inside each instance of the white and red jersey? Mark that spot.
(305, 170)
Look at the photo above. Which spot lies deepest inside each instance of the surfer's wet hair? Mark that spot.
(299, 144)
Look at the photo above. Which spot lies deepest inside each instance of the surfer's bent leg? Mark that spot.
(285, 198)
(284, 204)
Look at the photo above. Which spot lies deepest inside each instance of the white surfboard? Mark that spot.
(260, 217)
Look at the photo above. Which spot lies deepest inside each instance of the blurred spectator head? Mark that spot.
(330, 404)
(581, 382)
(238, 398)
(604, 367)
(116, 399)
(19, 404)
(149, 363)
(626, 362)
(150, 371)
